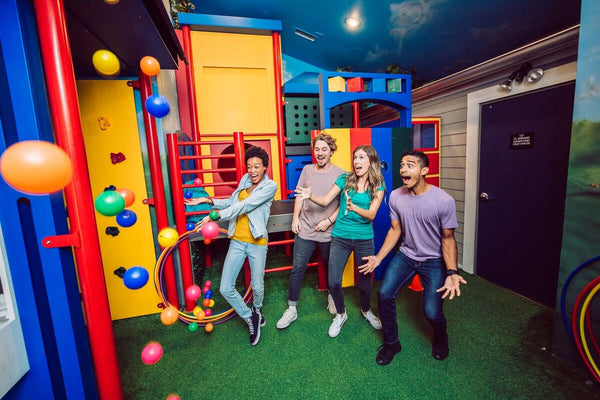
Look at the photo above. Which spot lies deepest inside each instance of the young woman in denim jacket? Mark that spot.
(361, 192)
(247, 211)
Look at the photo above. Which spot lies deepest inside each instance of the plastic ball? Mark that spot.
(109, 203)
(197, 181)
(152, 353)
(207, 241)
(169, 315)
(111, 2)
(193, 293)
(205, 289)
(126, 218)
(210, 230)
(167, 237)
(193, 327)
(190, 226)
(208, 284)
(173, 397)
(128, 195)
(106, 63)
(209, 327)
(206, 302)
(211, 303)
(208, 294)
(157, 105)
(196, 310)
(200, 314)
(208, 312)
(149, 65)
(213, 215)
(135, 277)
(36, 167)
(188, 194)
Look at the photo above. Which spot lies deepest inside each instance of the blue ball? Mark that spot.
(157, 105)
(190, 226)
(126, 218)
(208, 294)
(135, 277)
(188, 194)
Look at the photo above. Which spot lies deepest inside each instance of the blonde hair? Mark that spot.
(327, 139)
(374, 176)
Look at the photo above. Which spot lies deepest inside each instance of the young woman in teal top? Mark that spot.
(361, 192)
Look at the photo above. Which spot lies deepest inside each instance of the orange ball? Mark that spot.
(206, 302)
(209, 327)
(36, 167)
(149, 65)
(169, 315)
(206, 241)
(128, 195)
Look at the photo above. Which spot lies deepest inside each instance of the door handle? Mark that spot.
(485, 196)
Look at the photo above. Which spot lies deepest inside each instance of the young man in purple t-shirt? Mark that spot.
(426, 215)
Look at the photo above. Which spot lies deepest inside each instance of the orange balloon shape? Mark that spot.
(169, 315)
(128, 195)
(149, 65)
(36, 167)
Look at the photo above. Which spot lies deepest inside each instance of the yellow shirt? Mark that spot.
(242, 228)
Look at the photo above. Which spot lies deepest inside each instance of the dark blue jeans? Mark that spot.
(338, 255)
(303, 249)
(400, 270)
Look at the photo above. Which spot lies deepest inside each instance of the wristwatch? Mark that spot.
(452, 272)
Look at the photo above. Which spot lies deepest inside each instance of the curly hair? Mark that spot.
(256, 151)
(374, 176)
(327, 139)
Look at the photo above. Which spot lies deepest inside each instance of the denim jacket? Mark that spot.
(257, 206)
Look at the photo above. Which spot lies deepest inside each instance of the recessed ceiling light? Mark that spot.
(352, 22)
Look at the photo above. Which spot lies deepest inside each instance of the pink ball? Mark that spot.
(207, 312)
(205, 289)
(193, 293)
(173, 397)
(210, 230)
(197, 181)
(208, 284)
(152, 353)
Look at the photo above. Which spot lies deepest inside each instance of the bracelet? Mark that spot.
(451, 272)
(330, 221)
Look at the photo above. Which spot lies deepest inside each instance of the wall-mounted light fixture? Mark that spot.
(525, 71)
(352, 22)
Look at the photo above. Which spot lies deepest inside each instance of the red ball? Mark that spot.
(193, 293)
(210, 230)
(208, 312)
(208, 284)
(197, 181)
(152, 353)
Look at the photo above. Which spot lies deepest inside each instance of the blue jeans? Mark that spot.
(303, 249)
(237, 253)
(400, 270)
(338, 255)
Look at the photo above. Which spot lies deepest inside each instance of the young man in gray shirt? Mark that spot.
(312, 223)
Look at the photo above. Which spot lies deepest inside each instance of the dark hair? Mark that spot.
(423, 159)
(256, 151)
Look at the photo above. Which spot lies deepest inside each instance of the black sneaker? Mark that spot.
(440, 350)
(263, 321)
(387, 352)
(254, 327)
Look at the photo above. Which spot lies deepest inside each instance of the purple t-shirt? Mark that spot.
(422, 219)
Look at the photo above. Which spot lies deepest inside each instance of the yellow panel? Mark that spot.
(342, 159)
(113, 100)
(336, 84)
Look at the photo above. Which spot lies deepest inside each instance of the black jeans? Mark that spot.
(338, 255)
(303, 249)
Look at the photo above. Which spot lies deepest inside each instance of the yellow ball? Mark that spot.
(106, 63)
(196, 310)
(211, 303)
(168, 237)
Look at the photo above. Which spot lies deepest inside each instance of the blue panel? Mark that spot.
(294, 169)
(45, 284)
(381, 139)
(222, 21)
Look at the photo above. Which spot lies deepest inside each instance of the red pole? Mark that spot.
(240, 155)
(158, 193)
(355, 114)
(191, 87)
(279, 109)
(180, 220)
(64, 108)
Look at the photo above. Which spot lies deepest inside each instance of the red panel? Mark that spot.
(355, 84)
(433, 180)
(359, 136)
(230, 163)
(434, 163)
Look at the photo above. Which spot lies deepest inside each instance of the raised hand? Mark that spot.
(304, 193)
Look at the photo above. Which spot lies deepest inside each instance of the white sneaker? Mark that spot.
(369, 316)
(336, 325)
(331, 305)
(289, 316)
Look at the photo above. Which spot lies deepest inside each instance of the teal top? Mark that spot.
(350, 225)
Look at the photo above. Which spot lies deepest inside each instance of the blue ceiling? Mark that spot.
(435, 37)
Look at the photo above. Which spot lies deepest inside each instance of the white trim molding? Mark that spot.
(555, 76)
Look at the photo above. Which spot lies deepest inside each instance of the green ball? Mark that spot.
(193, 327)
(109, 203)
(214, 215)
